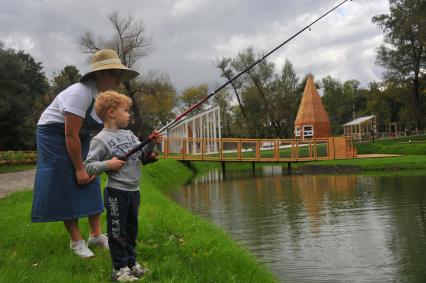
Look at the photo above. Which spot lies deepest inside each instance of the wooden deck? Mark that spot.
(257, 150)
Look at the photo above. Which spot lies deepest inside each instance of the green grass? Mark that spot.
(16, 168)
(175, 245)
(381, 166)
(417, 146)
(410, 162)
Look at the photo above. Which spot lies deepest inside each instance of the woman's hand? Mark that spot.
(82, 177)
(115, 164)
(72, 127)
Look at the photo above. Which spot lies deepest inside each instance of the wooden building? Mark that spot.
(362, 128)
(312, 120)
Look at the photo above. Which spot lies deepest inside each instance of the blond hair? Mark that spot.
(110, 99)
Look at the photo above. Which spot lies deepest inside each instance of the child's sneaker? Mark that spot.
(137, 270)
(123, 275)
(98, 241)
(80, 248)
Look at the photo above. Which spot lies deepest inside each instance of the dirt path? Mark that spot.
(16, 181)
(377, 155)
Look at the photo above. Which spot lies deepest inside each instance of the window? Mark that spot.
(308, 131)
(297, 131)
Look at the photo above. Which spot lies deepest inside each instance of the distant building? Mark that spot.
(204, 125)
(362, 128)
(312, 120)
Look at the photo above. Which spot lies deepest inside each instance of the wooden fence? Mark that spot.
(259, 150)
(231, 149)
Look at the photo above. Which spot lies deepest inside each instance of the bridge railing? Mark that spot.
(261, 150)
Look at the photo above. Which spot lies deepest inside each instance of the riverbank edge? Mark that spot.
(175, 245)
(401, 165)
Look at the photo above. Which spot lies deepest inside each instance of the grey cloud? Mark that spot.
(188, 38)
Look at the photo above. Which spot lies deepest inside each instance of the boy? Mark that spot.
(121, 195)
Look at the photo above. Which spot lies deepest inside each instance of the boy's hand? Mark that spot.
(82, 177)
(155, 136)
(115, 164)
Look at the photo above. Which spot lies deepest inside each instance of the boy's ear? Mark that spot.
(111, 111)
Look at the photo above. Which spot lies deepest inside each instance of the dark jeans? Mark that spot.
(122, 225)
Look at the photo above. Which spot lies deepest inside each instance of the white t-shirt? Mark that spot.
(75, 99)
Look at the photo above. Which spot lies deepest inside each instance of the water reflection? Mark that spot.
(320, 228)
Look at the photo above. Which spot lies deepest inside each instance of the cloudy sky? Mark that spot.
(188, 35)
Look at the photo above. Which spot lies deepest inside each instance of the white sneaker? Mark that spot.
(123, 275)
(138, 270)
(98, 241)
(80, 248)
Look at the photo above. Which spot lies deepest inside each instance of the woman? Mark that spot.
(63, 191)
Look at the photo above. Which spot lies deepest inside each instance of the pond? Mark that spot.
(319, 228)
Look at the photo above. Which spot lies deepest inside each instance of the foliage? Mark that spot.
(224, 65)
(68, 76)
(287, 98)
(17, 155)
(22, 85)
(157, 100)
(259, 80)
(222, 99)
(340, 101)
(404, 53)
(191, 96)
(16, 159)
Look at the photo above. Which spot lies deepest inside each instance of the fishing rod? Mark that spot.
(149, 139)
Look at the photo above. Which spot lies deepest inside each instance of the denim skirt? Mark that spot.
(57, 196)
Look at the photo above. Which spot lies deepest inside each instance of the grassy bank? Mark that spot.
(409, 162)
(415, 145)
(175, 245)
(389, 165)
(16, 168)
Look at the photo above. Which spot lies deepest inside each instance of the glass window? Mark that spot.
(308, 131)
(297, 131)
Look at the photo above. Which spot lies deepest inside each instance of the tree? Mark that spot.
(259, 119)
(131, 44)
(404, 55)
(158, 102)
(192, 95)
(224, 66)
(222, 99)
(338, 102)
(22, 83)
(262, 77)
(386, 101)
(287, 99)
(68, 76)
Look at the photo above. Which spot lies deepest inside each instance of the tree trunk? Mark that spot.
(416, 95)
(269, 114)
(239, 101)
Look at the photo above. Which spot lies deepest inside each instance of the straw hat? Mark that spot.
(107, 59)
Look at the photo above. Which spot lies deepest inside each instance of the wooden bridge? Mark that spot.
(256, 150)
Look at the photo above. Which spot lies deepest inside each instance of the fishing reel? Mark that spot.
(149, 157)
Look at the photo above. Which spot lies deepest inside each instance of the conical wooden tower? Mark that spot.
(312, 120)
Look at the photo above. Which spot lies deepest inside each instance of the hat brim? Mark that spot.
(127, 75)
